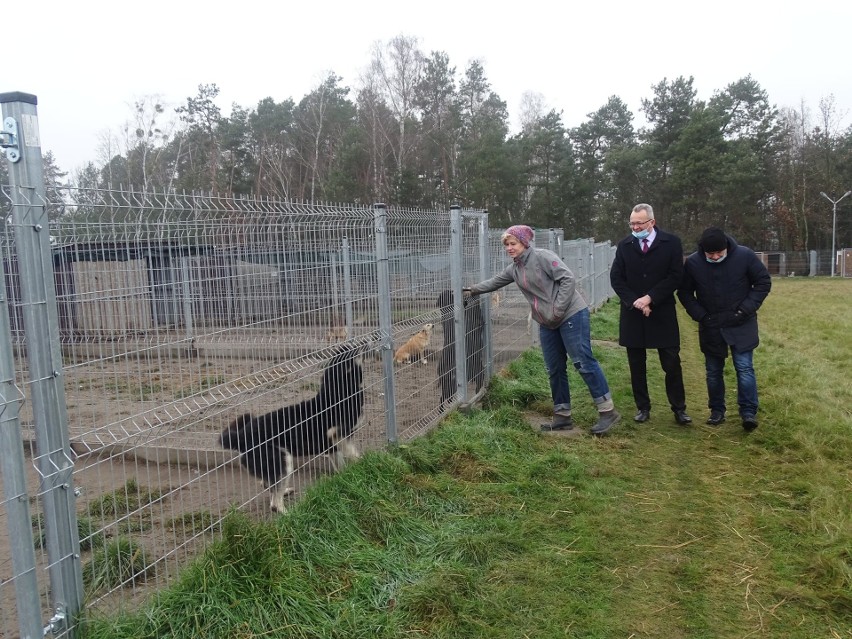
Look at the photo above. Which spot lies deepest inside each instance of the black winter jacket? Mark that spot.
(739, 283)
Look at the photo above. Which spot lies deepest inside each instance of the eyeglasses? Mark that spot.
(635, 224)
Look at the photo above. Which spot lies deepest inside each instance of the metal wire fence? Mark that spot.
(136, 327)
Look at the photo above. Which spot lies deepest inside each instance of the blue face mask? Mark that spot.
(721, 259)
(641, 235)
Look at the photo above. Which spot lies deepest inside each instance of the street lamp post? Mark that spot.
(834, 224)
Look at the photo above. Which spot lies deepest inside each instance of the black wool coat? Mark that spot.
(739, 283)
(656, 273)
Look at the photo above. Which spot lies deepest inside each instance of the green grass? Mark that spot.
(90, 537)
(485, 528)
(126, 499)
(119, 561)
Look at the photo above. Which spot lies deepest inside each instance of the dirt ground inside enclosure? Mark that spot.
(168, 448)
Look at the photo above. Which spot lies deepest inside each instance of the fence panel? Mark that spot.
(171, 318)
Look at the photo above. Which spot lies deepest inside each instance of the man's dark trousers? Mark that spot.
(670, 362)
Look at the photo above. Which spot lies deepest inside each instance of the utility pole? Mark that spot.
(834, 224)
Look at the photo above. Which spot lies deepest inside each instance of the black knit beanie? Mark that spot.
(713, 240)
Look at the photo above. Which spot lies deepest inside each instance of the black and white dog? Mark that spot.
(473, 345)
(320, 425)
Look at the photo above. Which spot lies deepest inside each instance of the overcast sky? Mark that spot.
(87, 61)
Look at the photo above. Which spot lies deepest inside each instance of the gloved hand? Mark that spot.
(712, 320)
(734, 318)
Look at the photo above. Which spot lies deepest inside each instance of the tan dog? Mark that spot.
(415, 347)
(336, 334)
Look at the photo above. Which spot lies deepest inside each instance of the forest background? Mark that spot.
(418, 132)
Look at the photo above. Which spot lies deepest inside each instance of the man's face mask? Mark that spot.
(716, 256)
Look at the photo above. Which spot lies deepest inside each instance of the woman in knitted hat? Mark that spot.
(563, 318)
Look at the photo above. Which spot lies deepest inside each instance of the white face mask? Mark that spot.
(721, 258)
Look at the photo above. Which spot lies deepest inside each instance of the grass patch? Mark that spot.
(487, 528)
(129, 498)
(190, 523)
(120, 562)
(89, 534)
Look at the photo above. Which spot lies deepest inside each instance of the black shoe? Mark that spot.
(642, 416)
(682, 418)
(716, 417)
(749, 423)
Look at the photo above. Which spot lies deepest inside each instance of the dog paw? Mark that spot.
(277, 506)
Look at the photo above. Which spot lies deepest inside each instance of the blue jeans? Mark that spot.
(746, 382)
(572, 339)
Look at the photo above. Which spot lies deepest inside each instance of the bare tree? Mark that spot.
(830, 116)
(398, 68)
(315, 120)
(376, 120)
(796, 126)
(150, 134)
(533, 109)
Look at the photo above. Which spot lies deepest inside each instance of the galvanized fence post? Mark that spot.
(41, 324)
(15, 496)
(553, 240)
(347, 286)
(456, 281)
(484, 274)
(186, 299)
(335, 283)
(385, 316)
(593, 272)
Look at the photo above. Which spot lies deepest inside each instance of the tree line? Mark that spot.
(417, 133)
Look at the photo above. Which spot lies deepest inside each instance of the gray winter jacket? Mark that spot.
(545, 281)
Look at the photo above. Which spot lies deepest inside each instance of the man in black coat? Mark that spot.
(723, 286)
(645, 274)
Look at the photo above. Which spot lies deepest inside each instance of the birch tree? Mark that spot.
(397, 68)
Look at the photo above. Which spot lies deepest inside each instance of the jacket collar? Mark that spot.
(524, 257)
